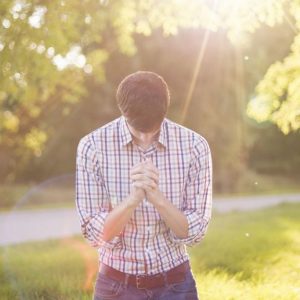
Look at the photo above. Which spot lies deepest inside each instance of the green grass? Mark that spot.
(31, 197)
(251, 183)
(249, 256)
(55, 269)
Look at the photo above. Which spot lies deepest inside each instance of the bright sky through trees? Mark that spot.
(42, 44)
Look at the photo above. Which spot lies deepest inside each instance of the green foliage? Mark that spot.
(51, 52)
(278, 93)
(275, 153)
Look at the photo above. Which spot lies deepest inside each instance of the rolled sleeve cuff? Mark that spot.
(197, 227)
(93, 232)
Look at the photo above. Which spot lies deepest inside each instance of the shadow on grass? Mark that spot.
(242, 244)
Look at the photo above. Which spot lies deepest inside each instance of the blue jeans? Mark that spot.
(107, 288)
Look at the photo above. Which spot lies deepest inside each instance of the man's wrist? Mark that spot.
(132, 202)
(160, 201)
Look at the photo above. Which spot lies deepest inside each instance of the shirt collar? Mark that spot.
(126, 136)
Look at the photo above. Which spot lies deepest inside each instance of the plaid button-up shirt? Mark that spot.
(146, 245)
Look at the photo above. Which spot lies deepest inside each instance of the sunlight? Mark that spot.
(246, 15)
(37, 18)
(88, 258)
(261, 107)
(197, 68)
(73, 57)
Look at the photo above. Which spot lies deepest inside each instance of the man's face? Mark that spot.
(143, 137)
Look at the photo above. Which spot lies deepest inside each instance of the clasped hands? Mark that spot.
(145, 178)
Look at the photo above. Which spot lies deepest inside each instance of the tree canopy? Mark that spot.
(50, 50)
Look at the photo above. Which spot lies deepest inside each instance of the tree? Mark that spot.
(50, 49)
(278, 93)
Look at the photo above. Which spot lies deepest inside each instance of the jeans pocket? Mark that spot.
(188, 285)
(106, 287)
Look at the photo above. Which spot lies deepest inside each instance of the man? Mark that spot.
(143, 193)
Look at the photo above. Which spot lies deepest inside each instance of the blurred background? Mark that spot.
(233, 70)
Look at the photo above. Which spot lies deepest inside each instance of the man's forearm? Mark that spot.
(174, 218)
(118, 218)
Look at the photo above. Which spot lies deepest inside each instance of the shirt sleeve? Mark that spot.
(197, 197)
(92, 202)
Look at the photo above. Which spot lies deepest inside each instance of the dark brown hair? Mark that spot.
(143, 98)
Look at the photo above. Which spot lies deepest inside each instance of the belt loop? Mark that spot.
(165, 278)
(126, 279)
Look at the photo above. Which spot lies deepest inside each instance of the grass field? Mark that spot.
(31, 197)
(246, 256)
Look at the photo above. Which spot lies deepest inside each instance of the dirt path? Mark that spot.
(30, 225)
